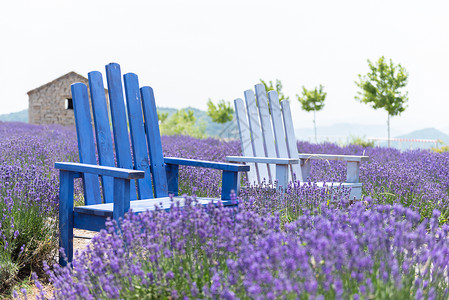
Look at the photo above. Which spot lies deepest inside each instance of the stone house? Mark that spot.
(52, 103)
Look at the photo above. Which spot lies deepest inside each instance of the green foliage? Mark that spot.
(221, 113)
(312, 100)
(381, 88)
(211, 129)
(355, 140)
(442, 149)
(36, 242)
(182, 123)
(161, 116)
(277, 88)
(28, 225)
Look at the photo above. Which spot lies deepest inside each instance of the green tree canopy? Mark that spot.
(381, 88)
(182, 123)
(277, 87)
(312, 100)
(221, 113)
(162, 116)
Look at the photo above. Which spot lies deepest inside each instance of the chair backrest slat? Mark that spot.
(292, 146)
(256, 133)
(278, 126)
(267, 130)
(154, 142)
(137, 130)
(86, 146)
(119, 121)
(245, 138)
(102, 131)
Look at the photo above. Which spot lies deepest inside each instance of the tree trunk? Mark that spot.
(388, 125)
(314, 125)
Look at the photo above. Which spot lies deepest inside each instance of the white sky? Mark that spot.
(189, 51)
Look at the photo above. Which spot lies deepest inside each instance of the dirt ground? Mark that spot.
(82, 239)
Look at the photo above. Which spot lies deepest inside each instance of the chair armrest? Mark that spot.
(352, 166)
(100, 170)
(206, 164)
(122, 182)
(333, 157)
(267, 160)
(230, 175)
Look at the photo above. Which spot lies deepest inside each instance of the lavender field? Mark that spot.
(305, 244)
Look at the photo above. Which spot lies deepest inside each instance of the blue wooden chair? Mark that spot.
(141, 177)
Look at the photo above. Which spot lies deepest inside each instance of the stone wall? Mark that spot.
(47, 104)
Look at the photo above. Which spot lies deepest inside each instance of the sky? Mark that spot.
(192, 51)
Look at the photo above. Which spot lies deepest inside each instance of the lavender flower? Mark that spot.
(339, 253)
(29, 195)
(307, 242)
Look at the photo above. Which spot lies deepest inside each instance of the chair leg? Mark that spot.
(282, 176)
(121, 198)
(353, 171)
(305, 169)
(65, 242)
(230, 184)
(66, 216)
(172, 178)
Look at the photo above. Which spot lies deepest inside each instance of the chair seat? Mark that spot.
(137, 206)
(336, 184)
(356, 187)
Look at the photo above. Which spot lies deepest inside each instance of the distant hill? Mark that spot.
(20, 116)
(342, 131)
(335, 133)
(445, 130)
(211, 128)
(428, 134)
(422, 134)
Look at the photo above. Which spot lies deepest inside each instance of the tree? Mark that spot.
(221, 113)
(381, 88)
(162, 116)
(277, 88)
(182, 123)
(312, 100)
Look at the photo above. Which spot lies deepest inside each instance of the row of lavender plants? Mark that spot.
(353, 252)
(29, 196)
(309, 243)
(418, 179)
(406, 187)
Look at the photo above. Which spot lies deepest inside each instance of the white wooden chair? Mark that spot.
(269, 144)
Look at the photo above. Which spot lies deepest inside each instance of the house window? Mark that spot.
(68, 103)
